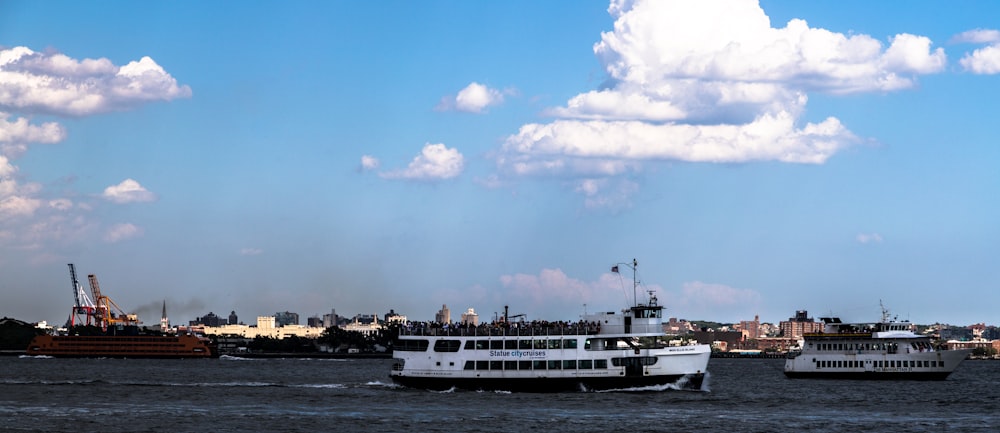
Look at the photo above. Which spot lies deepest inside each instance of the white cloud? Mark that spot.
(711, 82)
(474, 98)
(982, 61)
(15, 136)
(866, 238)
(251, 251)
(436, 161)
(553, 289)
(977, 36)
(57, 84)
(369, 162)
(128, 191)
(121, 232)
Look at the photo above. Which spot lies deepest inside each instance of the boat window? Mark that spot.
(510, 365)
(569, 343)
(470, 345)
(524, 344)
(555, 344)
(482, 365)
(447, 345)
(496, 344)
(586, 344)
(496, 365)
(510, 344)
(554, 365)
(482, 344)
(538, 365)
(586, 364)
(470, 365)
(524, 365)
(412, 345)
(600, 363)
(539, 344)
(569, 364)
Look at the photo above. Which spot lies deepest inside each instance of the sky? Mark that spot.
(754, 158)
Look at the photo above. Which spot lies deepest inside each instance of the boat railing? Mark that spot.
(499, 331)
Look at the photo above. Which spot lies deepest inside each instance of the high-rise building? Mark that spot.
(286, 318)
(330, 320)
(233, 320)
(443, 315)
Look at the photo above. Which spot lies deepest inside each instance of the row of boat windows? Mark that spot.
(101, 351)
(104, 345)
(565, 364)
(919, 345)
(880, 364)
(455, 345)
(102, 339)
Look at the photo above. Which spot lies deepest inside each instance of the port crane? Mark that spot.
(99, 311)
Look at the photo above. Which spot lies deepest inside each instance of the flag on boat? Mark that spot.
(614, 269)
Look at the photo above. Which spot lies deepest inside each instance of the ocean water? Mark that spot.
(319, 395)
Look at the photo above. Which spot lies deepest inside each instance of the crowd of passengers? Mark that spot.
(501, 328)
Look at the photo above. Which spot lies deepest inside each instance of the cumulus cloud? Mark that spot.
(982, 61)
(53, 83)
(474, 98)
(16, 135)
(121, 232)
(436, 161)
(711, 82)
(128, 191)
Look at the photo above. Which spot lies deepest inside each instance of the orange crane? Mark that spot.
(107, 311)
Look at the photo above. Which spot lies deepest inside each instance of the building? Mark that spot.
(314, 322)
(392, 317)
(801, 324)
(330, 320)
(286, 318)
(265, 328)
(751, 329)
(209, 319)
(232, 318)
(363, 325)
(443, 315)
(470, 318)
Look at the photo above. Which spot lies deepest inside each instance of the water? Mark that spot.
(299, 395)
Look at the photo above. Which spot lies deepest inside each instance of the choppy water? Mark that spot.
(288, 395)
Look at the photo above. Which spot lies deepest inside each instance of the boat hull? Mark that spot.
(161, 347)
(551, 384)
(869, 375)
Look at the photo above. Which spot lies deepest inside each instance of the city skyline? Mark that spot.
(755, 158)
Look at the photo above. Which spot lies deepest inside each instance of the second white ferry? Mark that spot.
(606, 350)
(888, 349)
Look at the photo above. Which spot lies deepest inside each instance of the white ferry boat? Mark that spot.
(606, 350)
(888, 349)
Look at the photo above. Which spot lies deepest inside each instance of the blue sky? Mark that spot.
(755, 158)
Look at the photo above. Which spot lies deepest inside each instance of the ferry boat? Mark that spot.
(119, 346)
(604, 351)
(888, 349)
